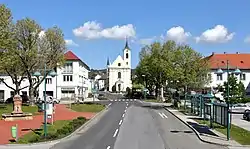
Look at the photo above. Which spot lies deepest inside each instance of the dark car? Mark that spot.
(25, 99)
(246, 115)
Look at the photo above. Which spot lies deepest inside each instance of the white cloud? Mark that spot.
(177, 34)
(147, 41)
(218, 34)
(247, 39)
(70, 42)
(94, 30)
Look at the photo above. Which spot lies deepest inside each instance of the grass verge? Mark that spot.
(87, 107)
(58, 130)
(238, 134)
(8, 108)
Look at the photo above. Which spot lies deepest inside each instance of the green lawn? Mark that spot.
(34, 134)
(8, 108)
(87, 107)
(238, 134)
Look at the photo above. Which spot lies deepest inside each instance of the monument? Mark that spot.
(17, 113)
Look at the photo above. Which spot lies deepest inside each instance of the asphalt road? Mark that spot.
(133, 125)
(103, 134)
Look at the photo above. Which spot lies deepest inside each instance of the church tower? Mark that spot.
(127, 54)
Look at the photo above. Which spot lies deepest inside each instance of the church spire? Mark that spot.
(126, 44)
(108, 63)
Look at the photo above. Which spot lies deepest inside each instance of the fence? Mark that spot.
(205, 108)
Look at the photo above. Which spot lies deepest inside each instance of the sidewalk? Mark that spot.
(204, 133)
(25, 126)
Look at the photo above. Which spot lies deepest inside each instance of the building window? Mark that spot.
(67, 78)
(127, 63)
(1, 94)
(126, 55)
(48, 80)
(243, 76)
(119, 75)
(119, 64)
(219, 77)
(68, 68)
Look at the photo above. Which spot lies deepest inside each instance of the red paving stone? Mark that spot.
(24, 126)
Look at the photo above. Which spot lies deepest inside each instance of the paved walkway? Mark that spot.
(204, 132)
(61, 113)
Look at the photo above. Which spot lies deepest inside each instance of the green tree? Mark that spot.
(236, 90)
(9, 60)
(172, 63)
(37, 48)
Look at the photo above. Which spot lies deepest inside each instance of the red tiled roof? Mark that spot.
(241, 61)
(70, 56)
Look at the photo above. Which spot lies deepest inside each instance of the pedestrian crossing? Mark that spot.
(123, 100)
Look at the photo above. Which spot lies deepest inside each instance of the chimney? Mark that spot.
(225, 52)
(237, 52)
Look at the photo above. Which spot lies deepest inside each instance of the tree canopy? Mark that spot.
(25, 47)
(170, 64)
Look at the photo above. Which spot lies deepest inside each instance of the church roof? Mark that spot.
(126, 44)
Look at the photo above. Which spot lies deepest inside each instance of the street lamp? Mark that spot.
(236, 72)
(144, 89)
(52, 73)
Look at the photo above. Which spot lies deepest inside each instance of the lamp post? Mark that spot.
(144, 90)
(53, 74)
(220, 71)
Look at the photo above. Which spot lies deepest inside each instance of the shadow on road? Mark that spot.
(202, 129)
(185, 131)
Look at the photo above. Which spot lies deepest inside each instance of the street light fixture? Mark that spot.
(236, 72)
(52, 73)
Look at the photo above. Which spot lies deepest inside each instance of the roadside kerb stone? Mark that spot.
(198, 134)
(49, 144)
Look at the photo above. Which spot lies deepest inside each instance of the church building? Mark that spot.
(119, 72)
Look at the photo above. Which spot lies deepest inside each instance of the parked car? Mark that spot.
(246, 115)
(240, 107)
(25, 99)
(49, 99)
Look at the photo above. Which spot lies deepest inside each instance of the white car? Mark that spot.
(240, 107)
(49, 99)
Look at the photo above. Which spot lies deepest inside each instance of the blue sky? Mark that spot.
(225, 24)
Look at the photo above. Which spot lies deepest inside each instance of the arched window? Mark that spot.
(126, 55)
(119, 75)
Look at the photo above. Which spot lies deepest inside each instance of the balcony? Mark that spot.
(67, 72)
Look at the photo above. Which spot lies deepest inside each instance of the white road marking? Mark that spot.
(120, 122)
(123, 99)
(116, 131)
(161, 115)
(164, 115)
(109, 104)
(125, 111)
(134, 99)
(131, 99)
(127, 104)
(115, 100)
(108, 147)
(123, 115)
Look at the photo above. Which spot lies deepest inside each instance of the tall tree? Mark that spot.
(38, 48)
(10, 63)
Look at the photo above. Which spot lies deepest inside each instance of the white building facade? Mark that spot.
(71, 81)
(119, 72)
(235, 61)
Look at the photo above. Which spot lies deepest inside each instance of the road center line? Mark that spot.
(116, 131)
(161, 115)
(123, 115)
(125, 110)
(108, 147)
(120, 122)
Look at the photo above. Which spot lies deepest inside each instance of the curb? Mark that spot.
(52, 143)
(196, 132)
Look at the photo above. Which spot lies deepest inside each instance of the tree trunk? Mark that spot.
(31, 94)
